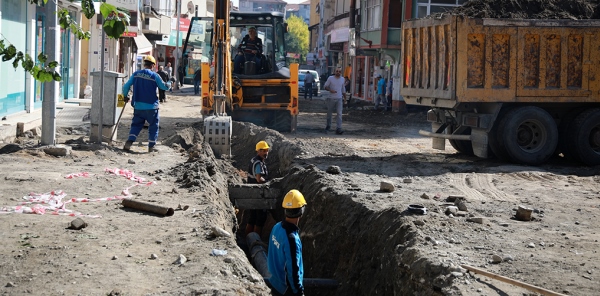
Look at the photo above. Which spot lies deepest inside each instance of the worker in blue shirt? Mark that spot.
(284, 259)
(145, 102)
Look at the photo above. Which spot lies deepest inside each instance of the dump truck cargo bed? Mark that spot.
(458, 60)
(520, 90)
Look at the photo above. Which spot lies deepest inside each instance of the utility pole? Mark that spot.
(176, 69)
(51, 88)
(321, 39)
(103, 53)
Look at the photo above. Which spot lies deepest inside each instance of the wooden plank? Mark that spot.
(512, 281)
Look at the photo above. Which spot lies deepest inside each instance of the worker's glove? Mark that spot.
(169, 84)
(126, 99)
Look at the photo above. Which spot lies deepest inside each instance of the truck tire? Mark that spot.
(529, 134)
(282, 121)
(494, 137)
(585, 136)
(565, 129)
(463, 147)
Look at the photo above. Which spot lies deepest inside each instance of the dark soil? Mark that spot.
(530, 9)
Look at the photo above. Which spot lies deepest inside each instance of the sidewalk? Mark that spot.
(69, 113)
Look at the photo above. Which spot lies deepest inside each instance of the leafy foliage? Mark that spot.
(116, 21)
(296, 39)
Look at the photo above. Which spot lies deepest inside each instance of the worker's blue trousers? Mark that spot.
(137, 123)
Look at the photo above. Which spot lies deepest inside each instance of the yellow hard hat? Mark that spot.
(262, 145)
(150, 59)
(293, 200)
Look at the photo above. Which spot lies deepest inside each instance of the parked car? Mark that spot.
(316, 88)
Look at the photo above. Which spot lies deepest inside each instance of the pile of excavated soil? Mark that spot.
(530, 9)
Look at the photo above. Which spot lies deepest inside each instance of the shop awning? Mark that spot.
(142, 43)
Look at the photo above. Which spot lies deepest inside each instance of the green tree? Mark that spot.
(296, 39)
(116, 20)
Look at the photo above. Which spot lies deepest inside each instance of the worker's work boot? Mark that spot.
(152, 149)
(127, 146)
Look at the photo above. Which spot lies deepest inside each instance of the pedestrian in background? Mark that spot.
(258, 174)
(348, 71)
(284, 258)
(144, 102)
(335, 86)
(309, 79)
(197, 76)
(380, 93)
(165, 78)
(181, 74)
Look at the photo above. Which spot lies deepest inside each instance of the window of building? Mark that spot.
(371, 15)
(427, 7)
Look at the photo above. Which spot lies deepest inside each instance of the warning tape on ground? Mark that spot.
(52, 202)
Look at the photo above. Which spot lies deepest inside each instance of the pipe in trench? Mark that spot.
(258, 255)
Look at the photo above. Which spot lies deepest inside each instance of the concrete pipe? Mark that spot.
(258, 255)
(148, 207)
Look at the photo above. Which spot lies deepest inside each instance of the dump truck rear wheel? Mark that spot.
(529, 134)
(494, 138)
(565, 129)
(585, 136)
(464, 147)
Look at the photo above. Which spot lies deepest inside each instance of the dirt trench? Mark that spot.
(369, 250)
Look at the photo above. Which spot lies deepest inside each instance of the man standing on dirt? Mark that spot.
(165, 77)
(380, 94)
(197, 76)
(258, 174)
(309, 79)
(144, 102)
(335, 86)
(284, 259)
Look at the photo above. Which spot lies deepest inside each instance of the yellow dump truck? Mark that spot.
(522, 90)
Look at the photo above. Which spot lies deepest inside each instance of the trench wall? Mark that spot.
(369, 250)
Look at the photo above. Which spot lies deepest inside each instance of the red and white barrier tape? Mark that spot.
(52, 202)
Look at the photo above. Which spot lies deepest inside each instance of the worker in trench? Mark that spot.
(258, 174)
(284, 258)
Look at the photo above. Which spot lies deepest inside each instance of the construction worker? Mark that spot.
(145, 102)
(284, 259)
(258, 174)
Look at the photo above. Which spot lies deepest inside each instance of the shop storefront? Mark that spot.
(366, 67)
(13, 81)
(68, 49)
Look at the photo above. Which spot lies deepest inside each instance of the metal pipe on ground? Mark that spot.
(148, 207)
(258, 255)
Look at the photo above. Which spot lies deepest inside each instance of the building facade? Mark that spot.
(262, 5)
(25, 26)
(301, 10)
(365, 36)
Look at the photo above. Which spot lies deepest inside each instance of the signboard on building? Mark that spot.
(129, 34)
(336, 46)
(340, 35)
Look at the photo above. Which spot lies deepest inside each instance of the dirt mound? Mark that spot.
(530, 9)
(281, 153)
